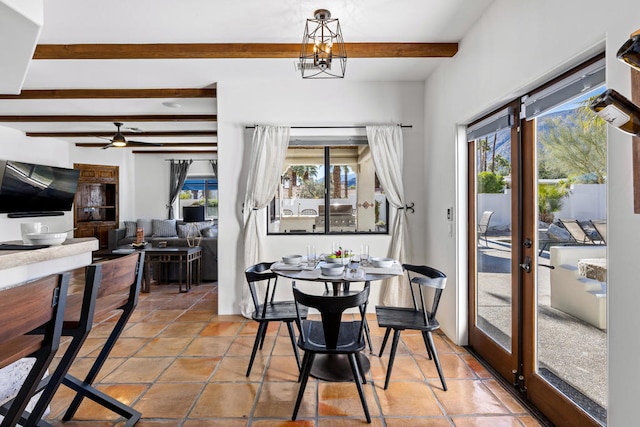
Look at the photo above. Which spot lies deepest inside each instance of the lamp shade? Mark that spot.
(193, 213)
(322, 53)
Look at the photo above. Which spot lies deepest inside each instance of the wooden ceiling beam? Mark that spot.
(110, 134)
(164, 144)
(111, 118)
(235, 50)
(113, 93)
(174, 151)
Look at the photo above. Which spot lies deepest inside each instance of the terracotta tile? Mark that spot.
(242, 346)
(215, 329)
(347, 422)
(164, 347)
(208, 346)
(468, 397)
(412, 422)
(139, 370)
(168, 400)
(189, 369)
(487, 421)
(283, 345)
(342, 399)
(415, 343)
(183, 329)
(195, 316)
(163, 316)
(143, 330)
(404, 368)
(407, 399)
(504, 396)
(125, 393)
(452, 366)
(125, 347)
(227, 422)
(277, 400)
(529, 421)
(251, 327)
(81, 366)
(282, 368)
(476, 366)
(235, 369)
(225, 400)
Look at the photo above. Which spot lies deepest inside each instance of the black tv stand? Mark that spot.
(34, 214)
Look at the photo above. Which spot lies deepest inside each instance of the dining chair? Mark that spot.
(418, 317)
(331, 335)
(110, 285)
(31, 319)
(483, 225)
(267, 309)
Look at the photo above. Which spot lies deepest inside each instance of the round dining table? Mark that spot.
(332, 367)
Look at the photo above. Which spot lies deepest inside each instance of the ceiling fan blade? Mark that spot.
(140, 143)
(107, 146)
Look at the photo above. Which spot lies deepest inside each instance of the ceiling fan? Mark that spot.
(119, 141)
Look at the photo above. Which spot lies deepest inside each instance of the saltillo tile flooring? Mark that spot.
(180, 364)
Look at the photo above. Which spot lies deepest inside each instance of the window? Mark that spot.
(337, 175)
(200, 191)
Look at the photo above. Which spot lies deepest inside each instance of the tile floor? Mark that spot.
(182, 365)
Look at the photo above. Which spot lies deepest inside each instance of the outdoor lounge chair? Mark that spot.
(483, 225)
(600, 226)
(577, 232)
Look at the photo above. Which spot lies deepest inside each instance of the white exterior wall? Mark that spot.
(308, 103)
(515, 46)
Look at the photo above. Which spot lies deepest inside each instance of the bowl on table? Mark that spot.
(381, 262)
(292, 259)
(332, 269)
(47, 238)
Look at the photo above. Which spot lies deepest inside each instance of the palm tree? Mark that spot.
(346, 181)
(336, 182)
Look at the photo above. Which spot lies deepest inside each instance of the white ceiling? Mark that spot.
(201, 21)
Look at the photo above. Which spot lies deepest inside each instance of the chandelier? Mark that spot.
(322, 53)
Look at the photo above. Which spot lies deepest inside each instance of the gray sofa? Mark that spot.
(124, 236)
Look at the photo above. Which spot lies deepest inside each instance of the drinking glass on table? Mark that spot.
(364, 255)
(311, 255)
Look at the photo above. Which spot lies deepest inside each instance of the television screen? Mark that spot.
(27, 187)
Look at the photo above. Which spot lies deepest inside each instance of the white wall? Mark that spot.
(307, 103)
(515, 46)
(14, 145)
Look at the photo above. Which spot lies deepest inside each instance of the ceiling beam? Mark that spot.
(113, 93)
(174, 151)
(235, 50)
(164, 144)
(110, 118)
(110, 134)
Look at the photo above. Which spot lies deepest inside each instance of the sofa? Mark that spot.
(174, 232)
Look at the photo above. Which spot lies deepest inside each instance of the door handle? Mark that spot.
(526, 265)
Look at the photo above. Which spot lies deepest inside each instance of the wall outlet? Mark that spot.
(450, 214)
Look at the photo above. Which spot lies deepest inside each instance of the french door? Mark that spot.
(554, 355)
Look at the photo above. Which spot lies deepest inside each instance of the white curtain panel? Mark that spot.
(268, 151)
(386, 147)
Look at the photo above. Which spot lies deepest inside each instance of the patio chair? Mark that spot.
(309, 212)
(287, 212)
(483, 225)
(600, 226)
(418, 318)
(577, 232)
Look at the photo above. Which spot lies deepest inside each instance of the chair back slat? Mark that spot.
(426, 277)
(331, 308)
(28, 306)
(261, 273)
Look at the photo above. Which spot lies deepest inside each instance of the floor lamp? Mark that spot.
(191, 215)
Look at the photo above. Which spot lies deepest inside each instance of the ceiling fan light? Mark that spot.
(119, 143)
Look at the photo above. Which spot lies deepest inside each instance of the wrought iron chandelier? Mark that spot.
(322, 54)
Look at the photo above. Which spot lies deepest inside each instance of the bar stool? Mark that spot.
(110, 285)
(31, 319)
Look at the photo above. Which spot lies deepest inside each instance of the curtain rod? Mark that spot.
(193, 160)
(333, 127)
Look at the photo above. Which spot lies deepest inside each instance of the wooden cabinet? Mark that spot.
(96, 202)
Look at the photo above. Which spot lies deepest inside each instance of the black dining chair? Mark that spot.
(268, 309)
(31, 319)
(331, 335)
(418, 318)
(110, 285)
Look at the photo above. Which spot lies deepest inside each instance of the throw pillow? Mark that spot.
(130, 227)
(210, 231)
(163, 228)
(183, 229)
(146, 225)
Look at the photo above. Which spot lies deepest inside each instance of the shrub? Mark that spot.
(489, 182)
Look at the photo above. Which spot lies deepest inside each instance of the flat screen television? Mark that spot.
(28, 189)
